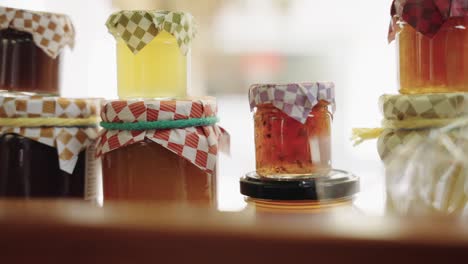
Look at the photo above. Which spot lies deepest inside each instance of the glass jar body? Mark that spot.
(159, 70)
(146, 171)
(286, 148)
(24, 67)
(433, 65)
(299, 206)
(29, 169)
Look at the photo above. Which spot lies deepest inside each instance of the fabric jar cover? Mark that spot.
(416, 107)
(198, 145)
(426, 16)
(294, 99)
(69, 141)
(51, 32)
(139, 28)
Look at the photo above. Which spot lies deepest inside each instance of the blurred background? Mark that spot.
(241, 42)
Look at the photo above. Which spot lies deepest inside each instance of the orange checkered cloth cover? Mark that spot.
(69, 141)
(51, 32)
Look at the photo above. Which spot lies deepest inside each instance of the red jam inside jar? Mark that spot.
(286, 148)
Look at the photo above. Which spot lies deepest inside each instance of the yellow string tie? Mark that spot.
(48, 122)
(360, 135)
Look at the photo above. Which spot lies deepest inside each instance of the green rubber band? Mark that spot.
(163, 124)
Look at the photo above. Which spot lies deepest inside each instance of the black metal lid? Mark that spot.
(336, 184)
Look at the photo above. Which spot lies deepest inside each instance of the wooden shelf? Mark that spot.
(75, 232)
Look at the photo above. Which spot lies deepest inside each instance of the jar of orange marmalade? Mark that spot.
(432, 47)
(292, 128)
(160, 150)
(331, 191)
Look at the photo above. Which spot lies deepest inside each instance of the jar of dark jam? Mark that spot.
(46, 147)
(24, 66)
(31, 45)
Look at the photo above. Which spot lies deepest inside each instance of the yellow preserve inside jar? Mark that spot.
(158, 70)
(433, 65)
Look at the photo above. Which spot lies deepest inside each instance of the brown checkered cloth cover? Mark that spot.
(139, 28)
(198, 145)
(426, 16)
(51, 32)
(69, 141)
(414, 107)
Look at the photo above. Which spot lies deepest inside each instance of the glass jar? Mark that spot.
(30, 54)
(153, 53)
(142, 76)
(30, 169)
(24, 66)
(46, 147)
(329, 192)
(142, 161)
(285, 147)
(147, 171)
(433, 65)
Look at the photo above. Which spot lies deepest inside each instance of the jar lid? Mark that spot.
(139, 27)
(19, 104)
(69, 125)
(198, 143)
(294, 99)
(424, 106)
(51, 32)
(337, 184)
(426, 16)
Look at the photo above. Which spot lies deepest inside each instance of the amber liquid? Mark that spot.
(146, 171)
(24, 66)
(29, 169)
(285, 147)
(434, 65)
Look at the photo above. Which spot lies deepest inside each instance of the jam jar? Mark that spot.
(329, 192)
(30, 56)
(155, 164)
(431, 59)
(292, 129)
(153, 52)
(41, 158)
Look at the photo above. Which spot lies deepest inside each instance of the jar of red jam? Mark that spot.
(31, 44)
(160, 151)
(431, 40)
(47, 147)
(292, 128)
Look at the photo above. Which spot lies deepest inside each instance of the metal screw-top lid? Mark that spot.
(336, 184)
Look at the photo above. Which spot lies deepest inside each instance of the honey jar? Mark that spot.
(161, 150)
(47, 147)
(432, 46)
(31, 45)
(292, 128)
(153, 52)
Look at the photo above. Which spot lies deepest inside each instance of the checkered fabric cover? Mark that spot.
(295, 99)
(414, 107)
(139, 28)
(199, 145)
(51, 32)
(69, 141)
(426, 16)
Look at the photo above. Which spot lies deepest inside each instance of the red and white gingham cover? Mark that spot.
(199, 145)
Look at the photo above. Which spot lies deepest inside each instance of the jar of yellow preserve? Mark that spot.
(153, 52)
(432, 45)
